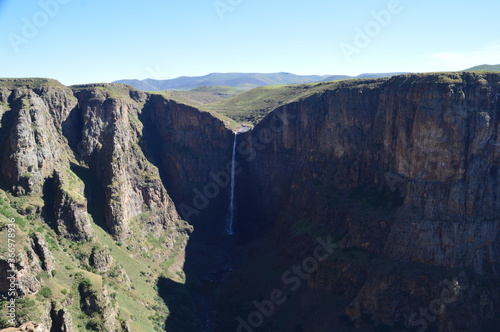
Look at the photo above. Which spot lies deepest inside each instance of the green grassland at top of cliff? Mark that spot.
(252, 106)
(32, 83)
(111, 90)
(203, 95)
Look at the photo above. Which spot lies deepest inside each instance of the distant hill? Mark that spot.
(367, 75)
(485, 68)
(239, 80)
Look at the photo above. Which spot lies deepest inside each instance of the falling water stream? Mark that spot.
(225, 250)
(230, 219)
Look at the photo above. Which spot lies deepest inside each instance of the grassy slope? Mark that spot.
(204, 95)
(136, 304)
(494, 68)
(251, 106)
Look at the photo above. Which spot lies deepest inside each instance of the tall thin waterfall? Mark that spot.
(230, 219)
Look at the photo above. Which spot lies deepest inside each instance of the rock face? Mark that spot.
(431, 142)
(98, 302)
(109, 144)
(31, 134)
(70, 210)
(408, 167)
(193, 150)
(28, 264)
(101, 259)
(45, 256)
(61, 319)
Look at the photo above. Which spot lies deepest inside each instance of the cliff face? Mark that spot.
(193, 150)
(432, 144)
(406, 169)
(31, 133)
(70, 156)
(109, 144)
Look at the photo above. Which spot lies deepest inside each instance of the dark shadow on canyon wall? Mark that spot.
(192, 151)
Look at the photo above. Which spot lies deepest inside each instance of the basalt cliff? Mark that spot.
(360, 205)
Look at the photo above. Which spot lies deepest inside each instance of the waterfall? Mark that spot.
(230, 219)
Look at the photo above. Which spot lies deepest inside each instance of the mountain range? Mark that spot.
(244, 81)
(247, 81)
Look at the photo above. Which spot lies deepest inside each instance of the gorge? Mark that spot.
(354, 205)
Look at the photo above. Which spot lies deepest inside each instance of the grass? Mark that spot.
(110, 90)
(30, 82)
(488, 68)
(73, 185)
(252, 106)
(136, 303)
(204, 95)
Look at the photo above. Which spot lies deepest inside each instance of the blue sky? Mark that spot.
(85, 41)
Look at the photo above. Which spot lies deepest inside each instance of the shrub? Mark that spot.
(86, 283)
(46, 292)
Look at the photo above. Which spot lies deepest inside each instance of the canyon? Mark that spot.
(353, 205)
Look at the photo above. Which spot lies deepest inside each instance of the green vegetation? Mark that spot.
(73, 185)
(132, 289)
(489, 68)
(110, 90)
(204, 95)
(46, 292)
(31, 83)
(251, 106)
(449, 78)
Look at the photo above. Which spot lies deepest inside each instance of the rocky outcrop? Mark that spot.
(101, 259)
(44, 255)
(61, 319)
(32, 145)
(70, 208)
(97, 301)
(109, 145)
